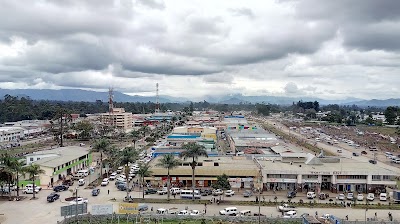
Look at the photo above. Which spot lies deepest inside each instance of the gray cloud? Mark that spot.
(288, 47)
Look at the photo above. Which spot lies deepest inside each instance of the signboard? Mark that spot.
(128, 208)
(71, 209)
(102, 209)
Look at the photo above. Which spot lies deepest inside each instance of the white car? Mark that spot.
(183, 212)
(217, 192)
(105, 182)
(360, 197)
(29, 190)
(79, 201)
(383, 197)
(229, 211)
(290, 214)
(36, 187)
(195, 212)
(120, 169)
(370, 197)
(113, 176)
(350, 196)
(341, 197)
(229, 193)
(122, 176)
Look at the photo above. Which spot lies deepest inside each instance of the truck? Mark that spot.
(396, 196)
(286, 208)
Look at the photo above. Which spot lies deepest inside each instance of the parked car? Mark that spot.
(79, 201)
(143, 207)
(53, 197)
(162, 191)
(29, 190)
(229, 211)
(383, 197)
(217, 192)
(350, 196)
(364, 152)
(360, 197)
(68, 182)
(195, 212)
(290, 214)
(183, 212)
(81, 182)
(247, 193)
(95, 192)
(60, 188)
(341, 197)
(206, 192)
(370, 196)
(113, 176)
(39, 188)
(104, 182)
(291, 194)
(150, 191)
(355, 154)
(229, 193)
(311, 195)
(119, 182)
(372, 161)
(122, 187)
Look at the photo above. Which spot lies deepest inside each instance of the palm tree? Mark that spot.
(144, 171)
(135, 135)
(7, 161)
(168, 162)
(33, 170)
(101, 146)
(18, 168)
(126, 156)
(193, 150)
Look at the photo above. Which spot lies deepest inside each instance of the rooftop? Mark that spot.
(62, 155)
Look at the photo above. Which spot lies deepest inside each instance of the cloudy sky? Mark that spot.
(329, 49)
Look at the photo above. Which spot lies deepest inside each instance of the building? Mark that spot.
(11, 134)
(242, 172)
(60, 162)
(119, 118)
(304, 172)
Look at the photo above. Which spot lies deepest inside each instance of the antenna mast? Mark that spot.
(157, 110)
(111, 106)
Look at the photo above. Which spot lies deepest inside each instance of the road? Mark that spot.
(40, 211)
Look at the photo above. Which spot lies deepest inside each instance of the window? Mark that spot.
(38, 158)
(31, 159)
(376, 177)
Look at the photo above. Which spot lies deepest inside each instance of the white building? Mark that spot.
(306, 172)
(11, 134)
(58, 163)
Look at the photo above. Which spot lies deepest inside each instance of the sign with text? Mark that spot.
(102, 209)
(128, 208)
(71, 209)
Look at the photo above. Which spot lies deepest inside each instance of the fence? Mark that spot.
(153, 218)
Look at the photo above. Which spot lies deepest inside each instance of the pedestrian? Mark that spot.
(174, 196)
(108, 191)
(316, 213)
(347, 217)
(375, 215)
(151, 209)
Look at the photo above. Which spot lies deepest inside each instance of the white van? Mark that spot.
(81, 182)
(229, 211)
(383, 197)
(84, 172)
(388, 154)
(245, 213)
(311, 195)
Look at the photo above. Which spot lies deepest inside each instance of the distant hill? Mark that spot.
(377, 103)
(92, 96)
(76, 95)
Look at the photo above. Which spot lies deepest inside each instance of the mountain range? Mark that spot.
(92, 96)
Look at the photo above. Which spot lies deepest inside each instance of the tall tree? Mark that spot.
(101, 145)
(144, 171)
(33, 170)
(135, 135)
(127, 155)
(6, 162)
(168, 162)
(193, 151)
(18, 168)
(84, 129)
(391, 114)
(59, 124)
(222, 183)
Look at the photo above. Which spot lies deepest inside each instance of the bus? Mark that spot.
(189, 194)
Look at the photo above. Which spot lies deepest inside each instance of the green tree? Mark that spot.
(18, 168)
(135, 135)
(101, 145)
(7, 171)
(127, 155)
(144, 171)
(59, 124)
(168, 162)
(391, 114)
(33, 170)
(193, 151)
(84, 129)
(222, 183)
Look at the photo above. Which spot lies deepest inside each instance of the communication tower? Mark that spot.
(157, 110)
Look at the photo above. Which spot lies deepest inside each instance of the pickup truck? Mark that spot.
(286, 208)
(162, 191)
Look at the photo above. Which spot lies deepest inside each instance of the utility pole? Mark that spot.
(76, 204)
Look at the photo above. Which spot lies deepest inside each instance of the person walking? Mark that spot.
(108, 191)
